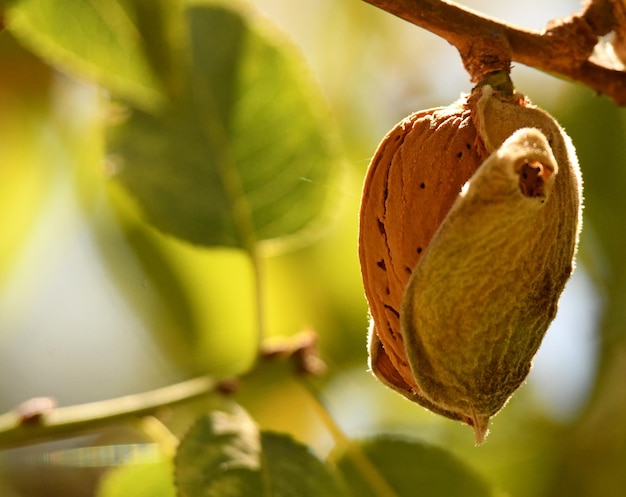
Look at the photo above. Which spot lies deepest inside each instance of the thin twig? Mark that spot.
(39, 419)
(488, 45)
(370, 473)
(14, 431)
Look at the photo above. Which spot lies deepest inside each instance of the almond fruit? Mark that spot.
(469, 225)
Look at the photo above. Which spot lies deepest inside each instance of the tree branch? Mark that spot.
(18, 429)
(39, 419)
(487, 45)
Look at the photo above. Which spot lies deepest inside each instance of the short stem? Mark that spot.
(376, 482)
(259, 301)
(159, 433)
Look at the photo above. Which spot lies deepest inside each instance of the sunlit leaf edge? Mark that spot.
(144, 90)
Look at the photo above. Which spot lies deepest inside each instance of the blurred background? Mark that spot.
(96, 304)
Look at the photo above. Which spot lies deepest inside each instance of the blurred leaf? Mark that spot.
(602, 154)
(27, 161)
(169, 284)
(224, 455)
(139, 480)
(412, 468)
(191, 300)
(194, 301)
(162, 28)
(246, 154)
(593, 450)
(149, 280)
(197, 303)
(95, 39)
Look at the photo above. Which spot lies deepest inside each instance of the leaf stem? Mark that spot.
(245, 232)
(259, 301)
(160, 434)
(375, 480)
(488, 45)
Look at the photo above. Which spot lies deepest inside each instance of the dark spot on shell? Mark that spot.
(419, 250)
(381, 227)
(408, 269)
(422, 185)
(381, 264)
(459, 155)
(468, 146)
(392, 310)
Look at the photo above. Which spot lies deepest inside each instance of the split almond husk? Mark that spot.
(469, 225)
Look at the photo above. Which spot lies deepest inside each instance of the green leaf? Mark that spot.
(95, 39)
(293, 471)
(219, 456)
(224, 455)
(410, 468)
(245, 154)
(161, 25)
(139, 480)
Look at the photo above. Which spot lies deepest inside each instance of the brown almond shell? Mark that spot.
(411, 184)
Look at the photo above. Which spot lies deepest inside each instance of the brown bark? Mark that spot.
(486, 45)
